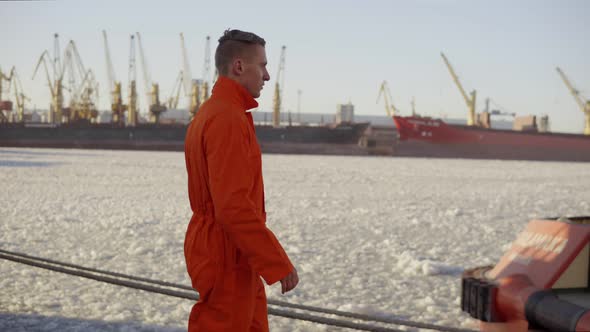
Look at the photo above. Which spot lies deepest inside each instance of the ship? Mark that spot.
(340, 139)
(529, 139)
(79, 126)
(430, 137)
(331, 139)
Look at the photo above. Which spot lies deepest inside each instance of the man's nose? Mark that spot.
(266, 76)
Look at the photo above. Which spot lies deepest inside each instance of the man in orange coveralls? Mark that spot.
(228, 246)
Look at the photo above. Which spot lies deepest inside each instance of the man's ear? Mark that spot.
(237, 67)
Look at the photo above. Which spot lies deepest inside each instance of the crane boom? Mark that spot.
(7, 79)
(575, 93)
(55, 86)
(68, 67)
(83, 86)
(5, 105)
(456, 79)
(115, 91)
(469, 101)
(276, 114)
(10, 75)
(206, 70)
(584, 105)
(72, 53)
(132, 104)
(207, 64)
(43, 61)
(147, 82)
(57, 70)
(132, 75)
(186, 69)
(191, 88)
(110, 70)
(389, 106)
(155, 108)
(175, 94)
(19, 95)
(197, 91)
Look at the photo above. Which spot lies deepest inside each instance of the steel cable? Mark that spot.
(86, 272)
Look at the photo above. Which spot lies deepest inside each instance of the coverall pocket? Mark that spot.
(241, 259)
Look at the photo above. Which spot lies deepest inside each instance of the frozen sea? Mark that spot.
(383, 236)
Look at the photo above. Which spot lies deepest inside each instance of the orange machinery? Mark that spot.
(542, 282)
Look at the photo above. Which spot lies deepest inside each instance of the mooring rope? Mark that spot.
(143, 284)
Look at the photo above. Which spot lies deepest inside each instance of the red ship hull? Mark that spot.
(427, 137)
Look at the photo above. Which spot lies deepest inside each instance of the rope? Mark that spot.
(86, 272)
(193, 296)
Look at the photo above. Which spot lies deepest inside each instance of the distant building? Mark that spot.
(104, 117)
(44, 116)
(33, 116)
(345, 113)
(543, 124)
(175, 116)
(525, 123)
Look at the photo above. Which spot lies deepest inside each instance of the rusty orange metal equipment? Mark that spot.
(542, 282)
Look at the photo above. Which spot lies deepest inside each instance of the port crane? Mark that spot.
(82, 86)
(152, 90)
(172, 102)
(19, 95)
(15, 84)
(470, 101)
(583, 104)
(276, 114)
(5, 105)
(132, 110)
(197, 90)
(117, 107)
(206, 71)
(88, 93)
(384, 91)
(55, 82)
(191, 87)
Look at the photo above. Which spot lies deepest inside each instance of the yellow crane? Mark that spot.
(132, 111)
(19, 96)
(206, 71)
(117, 107)
(5, 105)
(55, 113)
(390, 109)
(175, 94)
(155, 108)
(583, 104)
(469, 101)
(88, 94)
(276, 110)
(191, 87)
(56, 110)
(82, 86)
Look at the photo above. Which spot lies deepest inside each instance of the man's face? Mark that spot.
(254, 72)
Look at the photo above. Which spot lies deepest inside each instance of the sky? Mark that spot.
(336, 51)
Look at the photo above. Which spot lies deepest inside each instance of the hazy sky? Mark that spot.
(337, 51)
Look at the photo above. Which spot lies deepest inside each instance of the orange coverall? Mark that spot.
(228, 246)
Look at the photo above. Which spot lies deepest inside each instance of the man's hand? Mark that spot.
(289, 282)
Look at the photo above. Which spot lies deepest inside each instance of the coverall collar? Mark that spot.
(226, 87)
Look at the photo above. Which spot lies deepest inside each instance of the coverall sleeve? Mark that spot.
(231, 179)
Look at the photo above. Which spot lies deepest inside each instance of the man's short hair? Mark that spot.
(232, 44)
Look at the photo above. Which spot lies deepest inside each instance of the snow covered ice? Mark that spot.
(384, 236)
